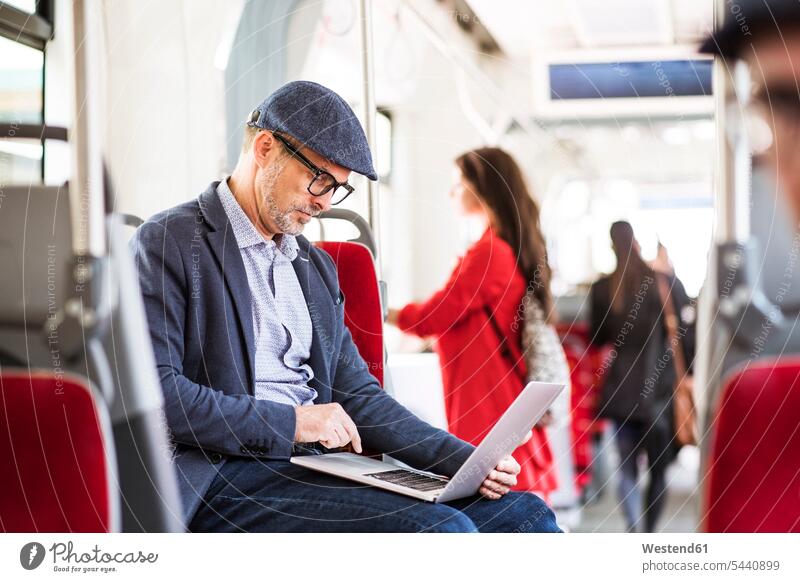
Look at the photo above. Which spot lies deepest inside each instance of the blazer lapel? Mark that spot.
(321, 325)
(223, 243)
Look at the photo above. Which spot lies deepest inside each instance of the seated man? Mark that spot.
(766, 35)
(256, 364)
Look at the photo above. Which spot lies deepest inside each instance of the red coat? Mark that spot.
(479, 384)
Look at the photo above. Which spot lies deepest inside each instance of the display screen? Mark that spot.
(630, 79)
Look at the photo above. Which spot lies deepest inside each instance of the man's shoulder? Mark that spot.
(320, 257)
(183, 215)
(184, 221)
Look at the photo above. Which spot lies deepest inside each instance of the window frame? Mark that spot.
(33, 30)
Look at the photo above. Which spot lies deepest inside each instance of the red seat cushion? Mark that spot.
(52, 457)
(363, 315)
(753, 473)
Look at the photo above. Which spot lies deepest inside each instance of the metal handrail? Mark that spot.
(33, 131)
(86, 187)
(365, 234)
(370, 114)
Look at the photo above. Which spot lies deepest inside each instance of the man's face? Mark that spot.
(283, 201)
(775, 70)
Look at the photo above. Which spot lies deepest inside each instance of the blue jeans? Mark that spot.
(277, 496)
(633, 439)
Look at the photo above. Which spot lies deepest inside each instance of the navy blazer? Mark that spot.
(197, 301)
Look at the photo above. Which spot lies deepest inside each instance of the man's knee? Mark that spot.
(524, 513)
(444, 519)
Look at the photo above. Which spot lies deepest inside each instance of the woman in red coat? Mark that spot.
(488, 283)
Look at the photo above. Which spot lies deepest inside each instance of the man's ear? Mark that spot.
(263, 145)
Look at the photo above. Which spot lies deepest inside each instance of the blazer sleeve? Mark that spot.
(384, 424)
(197, 415)
(476, 281)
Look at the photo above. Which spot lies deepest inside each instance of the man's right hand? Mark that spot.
(327, 424)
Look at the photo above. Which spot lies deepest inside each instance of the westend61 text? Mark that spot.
(670, 549)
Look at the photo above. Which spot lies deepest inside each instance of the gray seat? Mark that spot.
(35, 280)
(84, 315)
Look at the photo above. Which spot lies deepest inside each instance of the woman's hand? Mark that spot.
(546, 420)
(393, 317)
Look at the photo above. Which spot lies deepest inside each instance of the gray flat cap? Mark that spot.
(749, 21)
(319, 119)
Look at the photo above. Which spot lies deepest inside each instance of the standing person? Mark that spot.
(626, 312)
(256, 364)
(476, 315)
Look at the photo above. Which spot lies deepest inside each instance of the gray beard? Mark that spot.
(279, 217)
(282, 218)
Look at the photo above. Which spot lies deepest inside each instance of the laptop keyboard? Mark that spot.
(410, 479)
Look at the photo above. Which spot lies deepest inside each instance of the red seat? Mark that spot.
(753, 471)
(362, 309)
(52, 457)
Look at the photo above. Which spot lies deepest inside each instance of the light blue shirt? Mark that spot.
(281, 321)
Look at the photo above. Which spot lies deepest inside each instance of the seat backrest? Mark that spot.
(53, 458)
(36, 266)
(363, 314)
(752, 475)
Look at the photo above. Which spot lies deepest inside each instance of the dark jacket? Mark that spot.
(639, 372)
(197, 301)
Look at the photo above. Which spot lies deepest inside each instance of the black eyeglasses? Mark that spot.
(322, 182)
(769, 111)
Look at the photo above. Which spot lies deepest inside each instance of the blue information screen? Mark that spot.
(630, 79)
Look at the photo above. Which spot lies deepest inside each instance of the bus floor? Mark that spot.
(602, 511)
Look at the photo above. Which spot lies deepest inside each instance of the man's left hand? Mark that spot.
(501, 479)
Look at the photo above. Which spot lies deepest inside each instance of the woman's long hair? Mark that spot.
(499, 184)
(631, 270)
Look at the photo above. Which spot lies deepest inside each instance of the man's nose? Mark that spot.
(322, 203)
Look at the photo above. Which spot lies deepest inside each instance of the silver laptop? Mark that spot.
(504, 437)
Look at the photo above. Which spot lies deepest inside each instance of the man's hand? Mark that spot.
(327, 424)
(504, 476)
(501, 479)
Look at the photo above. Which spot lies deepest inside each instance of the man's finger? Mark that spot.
(527, 437)
(496, 486)
(502, 478)
(488, 493)
(339, 436)
(508, 465)
(352, 432)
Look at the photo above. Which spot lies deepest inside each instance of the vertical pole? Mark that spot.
(734, 164)
(742, 156)
(732, 224)
(86, 187)
(370, 112)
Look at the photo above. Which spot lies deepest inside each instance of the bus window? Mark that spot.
(666, 195)
(21, 102)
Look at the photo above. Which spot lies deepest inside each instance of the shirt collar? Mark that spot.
(245, 231)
